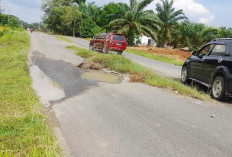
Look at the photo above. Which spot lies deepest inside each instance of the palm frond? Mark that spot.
(143, 4)
(148, 32)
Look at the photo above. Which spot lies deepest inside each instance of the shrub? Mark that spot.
(3, 30)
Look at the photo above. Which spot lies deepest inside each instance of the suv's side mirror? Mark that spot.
(194, 53)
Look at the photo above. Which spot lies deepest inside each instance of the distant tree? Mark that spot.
(90, 11)
(79, 2)
(169, 18)
(54, 21)
(111, 12)
(4, 19)
(89, 28)
(71, 18)
(49, 4)
(224, 32)
(192, 35)
(136, 21)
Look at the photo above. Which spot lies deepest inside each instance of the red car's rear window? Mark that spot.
(118, 38)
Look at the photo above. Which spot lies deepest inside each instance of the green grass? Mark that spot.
(23, 125)
(63, 39)
(137, 72)
(88, 39)
(161, 58)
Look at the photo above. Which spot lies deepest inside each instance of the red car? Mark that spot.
(108, 42)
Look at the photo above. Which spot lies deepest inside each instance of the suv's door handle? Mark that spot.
(220, 60)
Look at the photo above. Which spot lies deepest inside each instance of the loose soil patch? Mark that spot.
(177, 54)
(90, 65)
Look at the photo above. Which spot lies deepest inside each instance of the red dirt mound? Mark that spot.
(178, 54)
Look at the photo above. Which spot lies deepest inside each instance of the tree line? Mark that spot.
(11, 21)
(167, 26)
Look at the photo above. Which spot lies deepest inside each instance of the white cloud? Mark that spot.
(27, 14)
(195, 11)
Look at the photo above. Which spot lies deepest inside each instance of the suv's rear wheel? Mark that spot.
(218, 88)
(91, 47)
(184, 75)
(119, 52)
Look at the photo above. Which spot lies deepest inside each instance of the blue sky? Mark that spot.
(210, 12)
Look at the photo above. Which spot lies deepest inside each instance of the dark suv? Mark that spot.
(212, 67)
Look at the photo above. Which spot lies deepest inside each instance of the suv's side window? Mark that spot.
(205, 50)
(219, 50)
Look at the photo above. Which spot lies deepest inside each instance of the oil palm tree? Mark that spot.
(79, 2)
(169, 18)
(136, 21)
(192, 35)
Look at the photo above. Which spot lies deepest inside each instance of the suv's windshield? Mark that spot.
(205, 50)
(118, 38)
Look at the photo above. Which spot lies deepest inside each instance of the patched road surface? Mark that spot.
(122, 119)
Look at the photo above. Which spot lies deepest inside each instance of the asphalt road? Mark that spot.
(97, 119)
(164, 69)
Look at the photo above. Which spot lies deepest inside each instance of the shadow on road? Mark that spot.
(206, 90)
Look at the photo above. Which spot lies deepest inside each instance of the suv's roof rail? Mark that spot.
(222, 39)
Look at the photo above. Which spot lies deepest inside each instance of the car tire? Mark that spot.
(184, 75)
(119, 52)
(91, 47)
(218, 88)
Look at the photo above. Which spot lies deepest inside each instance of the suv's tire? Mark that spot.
(184, 75)
(218, 88)
(119, 52)
(91, 47)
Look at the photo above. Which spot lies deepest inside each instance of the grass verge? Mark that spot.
(161, 58)
(63, 39)
(137, 72)
(23, 125)
(88, 39)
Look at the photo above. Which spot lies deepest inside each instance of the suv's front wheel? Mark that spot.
(91, 47)
(119, 52)
(184, 75)
(218, 88)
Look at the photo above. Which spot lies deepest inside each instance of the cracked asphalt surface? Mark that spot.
(99, 119)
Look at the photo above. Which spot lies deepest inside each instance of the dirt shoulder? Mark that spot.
(177, 54)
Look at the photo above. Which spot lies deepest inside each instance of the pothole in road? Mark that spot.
(47, 89)
(102, 76)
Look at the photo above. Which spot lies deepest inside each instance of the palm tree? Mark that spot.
(192, 35)
(169, 17)
(79, 2)
(136, 21)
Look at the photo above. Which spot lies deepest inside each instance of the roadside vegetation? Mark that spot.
(23, 125)
(162, 58)
(137, 72)
(63, 39)
(167, 26)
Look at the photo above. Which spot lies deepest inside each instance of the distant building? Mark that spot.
(145, 41)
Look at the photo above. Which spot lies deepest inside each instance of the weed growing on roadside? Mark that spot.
(63, 39)
(161, 58)
(23, 125)
(137, 72)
